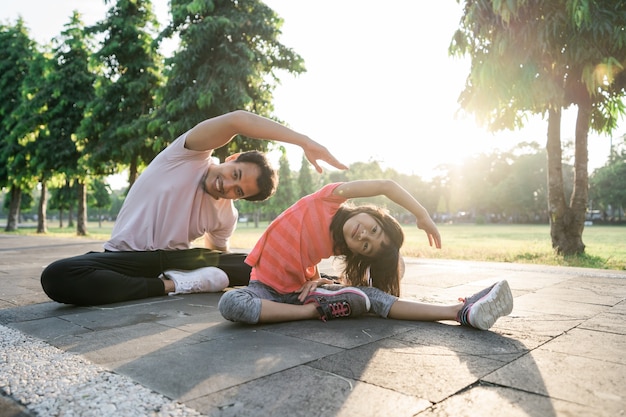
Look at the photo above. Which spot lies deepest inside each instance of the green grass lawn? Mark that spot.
(605, 245)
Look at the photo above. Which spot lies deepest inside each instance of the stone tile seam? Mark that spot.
(493, 384)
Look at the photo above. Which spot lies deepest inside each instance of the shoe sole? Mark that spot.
(497, 303)
(352, 290)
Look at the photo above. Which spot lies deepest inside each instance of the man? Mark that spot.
(182, 195)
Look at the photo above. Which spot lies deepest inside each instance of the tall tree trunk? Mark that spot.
(42, 211)
(14, 209)
(60, 217)
(81, 216)
(70, 216)
(556, 194)
(257, 216)
(567, 221)
(132, 172)
(580, 194)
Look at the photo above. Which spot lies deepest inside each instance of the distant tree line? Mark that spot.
(495, 187)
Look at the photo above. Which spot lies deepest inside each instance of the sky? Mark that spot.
(380, 85)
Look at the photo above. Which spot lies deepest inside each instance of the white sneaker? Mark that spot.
(207, 279)
(482, 309)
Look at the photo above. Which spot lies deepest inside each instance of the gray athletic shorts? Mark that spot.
(243, 305)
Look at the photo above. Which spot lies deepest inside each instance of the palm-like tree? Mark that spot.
(539, 57)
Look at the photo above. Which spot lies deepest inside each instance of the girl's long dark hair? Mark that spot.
(384, 268)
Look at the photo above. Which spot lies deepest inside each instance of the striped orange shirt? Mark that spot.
(295, 242)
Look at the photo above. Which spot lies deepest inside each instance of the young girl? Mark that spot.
(285, 283)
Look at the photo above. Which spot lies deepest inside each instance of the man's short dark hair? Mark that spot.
(268, 178)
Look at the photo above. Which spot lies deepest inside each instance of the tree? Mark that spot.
(228, 59)
(16, 52)
(608, 190)
(540, 57)
(61, 199)
(26, 202)
(426, 193)
(522, 194)
(306, 185)
(30, 125)
(55, 93)
(114, 130)
(73, 89)
(101, 193)
(285, 194)
(81, 211)
(479, 176)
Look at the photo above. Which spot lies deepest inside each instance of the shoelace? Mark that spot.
(339, 309)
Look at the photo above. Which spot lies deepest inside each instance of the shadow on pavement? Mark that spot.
(182, 348)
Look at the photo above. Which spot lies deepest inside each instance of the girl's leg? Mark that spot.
(259, 303)
(480, 310)
(243, 305)
(404, 309)
(274, 312)
(390, 306)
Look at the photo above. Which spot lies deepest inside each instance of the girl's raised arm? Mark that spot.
(397, 194)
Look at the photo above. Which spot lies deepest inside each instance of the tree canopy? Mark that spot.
(229, 58)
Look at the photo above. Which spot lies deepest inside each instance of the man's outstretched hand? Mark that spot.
(315, 152)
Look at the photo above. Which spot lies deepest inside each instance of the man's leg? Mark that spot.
(109, 277)
(103, 277)
(232, 263)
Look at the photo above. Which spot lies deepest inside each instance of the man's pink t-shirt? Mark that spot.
(167, 209)
(295, 242)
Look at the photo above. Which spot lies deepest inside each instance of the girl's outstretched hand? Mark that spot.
(428, 225)
(311, 286)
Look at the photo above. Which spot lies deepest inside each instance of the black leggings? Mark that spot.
(109, 277)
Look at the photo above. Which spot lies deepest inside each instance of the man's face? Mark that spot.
(231, 180)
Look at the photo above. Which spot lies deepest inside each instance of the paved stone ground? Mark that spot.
(560, 353)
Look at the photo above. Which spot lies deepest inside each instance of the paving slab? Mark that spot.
(593, 383)
(306, 391)
(486, 400)
(411, 370)
(559, 353)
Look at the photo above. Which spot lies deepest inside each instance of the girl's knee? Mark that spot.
(381, 301)
(240, 306)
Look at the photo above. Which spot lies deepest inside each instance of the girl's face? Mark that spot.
(364, 235)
